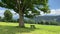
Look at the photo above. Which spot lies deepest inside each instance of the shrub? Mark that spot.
(48, 22)
(29, 21)
(53, 23)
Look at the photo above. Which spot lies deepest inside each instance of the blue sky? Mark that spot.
(54, 5)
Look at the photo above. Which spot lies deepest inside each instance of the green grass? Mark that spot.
(10, 28)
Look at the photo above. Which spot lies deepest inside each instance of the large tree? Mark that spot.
(24, 7)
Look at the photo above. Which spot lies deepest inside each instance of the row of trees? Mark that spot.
(24, 6)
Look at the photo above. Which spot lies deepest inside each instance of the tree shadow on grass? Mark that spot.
(14, 30)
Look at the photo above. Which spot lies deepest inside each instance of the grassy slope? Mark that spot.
(10, 28)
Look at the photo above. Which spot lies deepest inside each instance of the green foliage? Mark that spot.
(30, 21)
(7, 15)
(54, 23)
(0, 18)
(49, 22)
(26, 6)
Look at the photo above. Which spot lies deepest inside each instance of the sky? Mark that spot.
(54, 6)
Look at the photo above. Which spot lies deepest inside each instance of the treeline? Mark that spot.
(31, 21)
(42, 22)
(4, 20)
(8, 17)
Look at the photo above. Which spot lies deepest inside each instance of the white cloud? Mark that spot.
(2, 12)
(53, 12)
(57, 11)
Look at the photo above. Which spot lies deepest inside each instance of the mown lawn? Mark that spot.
(11, 28)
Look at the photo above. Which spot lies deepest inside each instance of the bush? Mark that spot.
(53, 23)
(42, 22)
(29, 21)
(48, 22)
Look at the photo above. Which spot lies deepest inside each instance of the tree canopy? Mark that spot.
(26, 6)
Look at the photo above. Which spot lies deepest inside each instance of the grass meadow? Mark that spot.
(11, 28)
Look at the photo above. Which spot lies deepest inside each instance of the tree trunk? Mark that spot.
(21, 16)
(21, 19)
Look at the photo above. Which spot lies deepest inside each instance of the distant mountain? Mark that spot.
(47, 18)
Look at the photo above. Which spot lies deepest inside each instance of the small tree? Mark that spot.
(7, 15)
